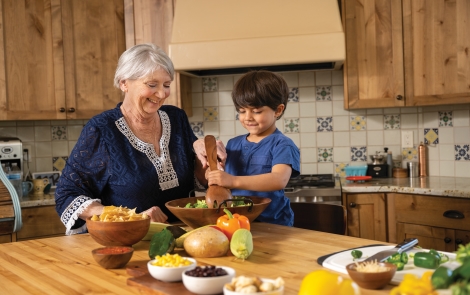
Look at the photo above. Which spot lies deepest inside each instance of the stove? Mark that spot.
(307, 188)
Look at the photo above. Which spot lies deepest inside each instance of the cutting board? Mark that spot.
(338, 261)
(147, 284)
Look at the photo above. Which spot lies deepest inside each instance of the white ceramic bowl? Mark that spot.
(279, 291)
(208, 285)
(169, 274)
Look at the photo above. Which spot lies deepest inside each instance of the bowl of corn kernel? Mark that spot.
(170, 267)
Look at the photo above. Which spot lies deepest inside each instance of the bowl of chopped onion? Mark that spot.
(371, 274)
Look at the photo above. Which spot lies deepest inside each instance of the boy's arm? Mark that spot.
(275, 180)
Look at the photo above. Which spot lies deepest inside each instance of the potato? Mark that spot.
(206, 242)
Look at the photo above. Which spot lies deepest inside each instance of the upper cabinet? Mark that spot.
(151, 21)
(406, 53)
(57, 58)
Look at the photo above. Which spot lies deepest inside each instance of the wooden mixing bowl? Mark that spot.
(125, 233)
(197, 217)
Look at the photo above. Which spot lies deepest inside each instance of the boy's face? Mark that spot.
(260, 122)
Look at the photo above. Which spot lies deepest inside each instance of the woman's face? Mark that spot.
(149, 93)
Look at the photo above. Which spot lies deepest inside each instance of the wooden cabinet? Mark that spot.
(57, 58)
(40, 222)
(440, 223)
(406, 53)
(151, 21)
(366, 216)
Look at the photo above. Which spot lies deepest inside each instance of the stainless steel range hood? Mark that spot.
(212, 37)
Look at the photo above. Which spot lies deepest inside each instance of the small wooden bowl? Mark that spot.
(399, 173)
(125, 233)
(372, 280)
(113, 256)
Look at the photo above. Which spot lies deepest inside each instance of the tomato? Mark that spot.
(325, 282)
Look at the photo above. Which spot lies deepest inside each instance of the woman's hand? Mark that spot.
(200, 150)
(156, 214)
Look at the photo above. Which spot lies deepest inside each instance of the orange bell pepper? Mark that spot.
(229, 223)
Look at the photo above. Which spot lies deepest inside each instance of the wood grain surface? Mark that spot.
(64, 265)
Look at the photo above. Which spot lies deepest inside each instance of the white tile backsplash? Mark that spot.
(442, 160)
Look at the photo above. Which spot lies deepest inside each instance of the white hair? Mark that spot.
(140, 61)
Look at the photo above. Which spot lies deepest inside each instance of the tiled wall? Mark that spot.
(328, 136)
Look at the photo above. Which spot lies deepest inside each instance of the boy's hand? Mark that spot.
(220, 178)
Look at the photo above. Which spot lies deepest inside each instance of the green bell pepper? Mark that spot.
(426, 260)
(442, 278)
(356, 254)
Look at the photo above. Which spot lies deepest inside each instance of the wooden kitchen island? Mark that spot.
(64, 265)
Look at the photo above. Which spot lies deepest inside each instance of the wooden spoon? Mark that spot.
(215, 194)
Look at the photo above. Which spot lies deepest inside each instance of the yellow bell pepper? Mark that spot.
(325, 282)
(412, 285)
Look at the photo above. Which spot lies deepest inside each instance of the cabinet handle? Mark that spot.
(399, 97)
(352, 205)
(458, 241)
(447, 240)
(72, 110)
(62, 110)
(454, 214)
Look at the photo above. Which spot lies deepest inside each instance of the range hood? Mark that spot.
(214, 37)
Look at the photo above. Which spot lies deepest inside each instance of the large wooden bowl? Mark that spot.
(197, 217)
(125, 233)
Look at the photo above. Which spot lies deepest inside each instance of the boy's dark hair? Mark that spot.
(260, 88)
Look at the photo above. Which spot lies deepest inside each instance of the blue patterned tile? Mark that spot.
(198, 128)
(431, 135)
(291, 125)
(293, 95)
(323, 93)
(409, 154)
(359, 154)
(59, 132)
(445, 119)
(462, 152)
(209, 84)
(325, 155)
(391, 122)
(325, 124)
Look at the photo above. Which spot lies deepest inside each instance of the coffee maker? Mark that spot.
(11, 155)
(379, 167)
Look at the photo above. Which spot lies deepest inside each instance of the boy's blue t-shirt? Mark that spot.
(246, 158)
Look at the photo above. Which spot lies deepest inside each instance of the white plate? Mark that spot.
(339, 261)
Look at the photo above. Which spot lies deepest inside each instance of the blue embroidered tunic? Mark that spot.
(110, 165)
(247, 158)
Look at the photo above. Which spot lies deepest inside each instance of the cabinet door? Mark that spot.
(437, 45)
(94, 38)
(31, 60)
(152, 21)
(366, 216)
(39, 222)
(429, 237)
(373, 70)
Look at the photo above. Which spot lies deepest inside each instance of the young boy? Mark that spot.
(261, 162)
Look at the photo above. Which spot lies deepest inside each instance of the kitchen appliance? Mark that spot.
(316, 202)
(250, 34)
(11, 155)
(378, 168)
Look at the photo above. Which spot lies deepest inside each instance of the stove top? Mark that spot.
(312, 180)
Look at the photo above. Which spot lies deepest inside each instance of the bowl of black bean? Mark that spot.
(207, 280)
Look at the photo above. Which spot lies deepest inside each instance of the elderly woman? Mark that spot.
(141, 154)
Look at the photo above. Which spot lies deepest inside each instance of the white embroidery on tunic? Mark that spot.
(167, 177)
(71, 213)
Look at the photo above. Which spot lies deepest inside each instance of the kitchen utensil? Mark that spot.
(358, 178)
(413, 169)
(423, 155)
(377, 158)
(372, 280)
(403, 246)
(112, 256)
(215, 194)
(126, 233)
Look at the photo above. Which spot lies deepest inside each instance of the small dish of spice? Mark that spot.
(113, 256)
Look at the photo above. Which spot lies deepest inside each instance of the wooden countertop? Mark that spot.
(64, 265)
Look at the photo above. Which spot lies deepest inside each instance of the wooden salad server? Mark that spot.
(215, 194)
